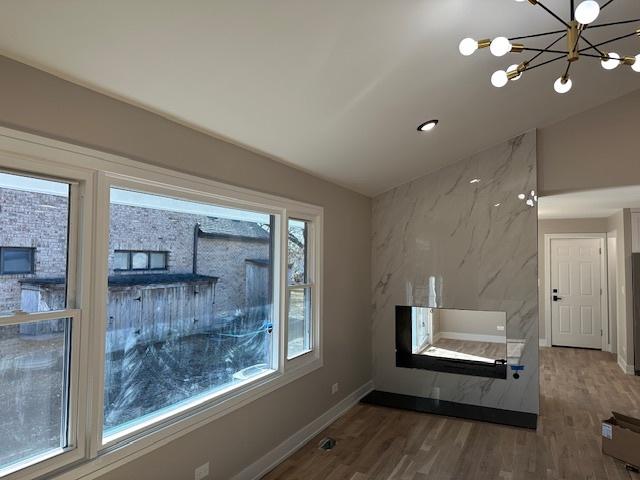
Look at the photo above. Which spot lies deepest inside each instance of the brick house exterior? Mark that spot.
(35, 220)
(226, 249)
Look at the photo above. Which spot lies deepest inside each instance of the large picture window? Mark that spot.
(201, 326)
(137, 303)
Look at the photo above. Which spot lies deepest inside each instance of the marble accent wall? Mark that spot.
(442, 241)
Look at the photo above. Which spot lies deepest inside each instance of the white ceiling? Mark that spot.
(334, 87)
(589, 204)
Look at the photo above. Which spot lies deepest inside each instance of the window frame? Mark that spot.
(310, 284)
(155, 424)
(29, 154)
(77, 298)
(32, 260)
(130, 253)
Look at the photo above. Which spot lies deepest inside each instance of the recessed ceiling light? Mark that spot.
(427, 126)
(475, 180)
(497, 204)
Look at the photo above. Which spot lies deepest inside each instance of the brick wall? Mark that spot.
(39, 220)
(226, 259)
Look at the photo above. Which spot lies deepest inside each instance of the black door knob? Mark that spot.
(556, 298)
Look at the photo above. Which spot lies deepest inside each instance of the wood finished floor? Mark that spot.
(479, 349)
(579, 388)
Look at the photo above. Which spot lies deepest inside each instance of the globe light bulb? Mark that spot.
(587, 12)
(467, 46)
(513, 68)
(562, 85)
(612, 62)
(499, 78)
(500, 46)
(636, 66)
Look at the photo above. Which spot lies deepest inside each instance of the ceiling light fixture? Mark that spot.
(581, 18)
(427, 126)
(562, 85)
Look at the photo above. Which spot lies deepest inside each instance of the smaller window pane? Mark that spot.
(33, 390)
(139, 260)
(121, 261)
(17, 260)
(297, 246)
(158, 260)
(299, 340)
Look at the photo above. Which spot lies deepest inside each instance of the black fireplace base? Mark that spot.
(452, 409)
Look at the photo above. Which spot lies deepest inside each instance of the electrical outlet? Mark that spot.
(501, 328)
(202, 472)
(334, 388)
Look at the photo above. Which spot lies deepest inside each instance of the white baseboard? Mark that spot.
(473, 337)
(628, 369)
(544, 343)
(295, 442)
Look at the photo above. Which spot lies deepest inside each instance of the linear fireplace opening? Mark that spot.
(467, 342)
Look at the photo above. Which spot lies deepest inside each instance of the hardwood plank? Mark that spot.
(579, 388)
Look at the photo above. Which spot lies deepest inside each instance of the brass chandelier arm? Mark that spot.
(565, 75)
(544, 50)
(523, 37)
(610, 24)
(605, 5)
(546, 62)
(564, 34)
(552, 13)
(595, 47)
(591, 55)
(592, 46)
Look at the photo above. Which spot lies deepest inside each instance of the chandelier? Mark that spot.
(577, 45)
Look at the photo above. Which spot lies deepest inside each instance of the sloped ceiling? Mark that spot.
(333, 87)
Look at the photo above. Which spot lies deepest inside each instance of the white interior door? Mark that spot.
(576, 314)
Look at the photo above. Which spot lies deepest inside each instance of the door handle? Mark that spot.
(556, 298)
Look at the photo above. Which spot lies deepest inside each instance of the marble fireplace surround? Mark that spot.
(445, 241)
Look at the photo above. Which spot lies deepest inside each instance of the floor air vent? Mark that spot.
(327, 443)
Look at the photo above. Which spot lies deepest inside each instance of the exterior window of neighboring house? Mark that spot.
(155, 353)
(16, 260)
(139, 260)
(299, 289)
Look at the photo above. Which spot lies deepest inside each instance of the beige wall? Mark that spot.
(40, 103)
(569, 225)
(621, 223)
(595, 149)
(473, 322)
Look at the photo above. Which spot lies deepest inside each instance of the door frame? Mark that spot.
(604, 297)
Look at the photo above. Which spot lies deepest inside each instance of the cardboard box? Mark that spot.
(621, 438)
